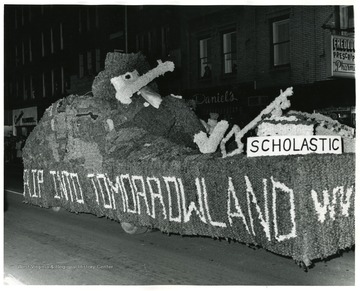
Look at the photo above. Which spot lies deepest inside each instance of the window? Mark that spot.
(89, 63)
(80, 21)
(51, 40)
(88, 18)
(165, 34)
(258, 100)
(144, 41)
(23, 52)
(57, 81)
(42, 44)
(229, 53)
(281, 42)
(61, 37)
(16, 20)
(22, 16)
(205, 65)
(81, 66)
(149, 36)
(97, 61)
(17, 89)
(36, 86)
(346, 18)
(43, 85)
(30, 50)
(32, 95)
(24, 88)
(52, 82)
(17, 60)
(62, 81)
(96, 17)
(27, 87)
(48, 83)
(56, 38)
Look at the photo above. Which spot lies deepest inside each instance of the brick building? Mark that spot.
(255, 51)
(232, 60)
(51, 51)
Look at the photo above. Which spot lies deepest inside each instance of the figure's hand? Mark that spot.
(150, 96)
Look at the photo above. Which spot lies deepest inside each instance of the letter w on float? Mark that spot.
(192, 206)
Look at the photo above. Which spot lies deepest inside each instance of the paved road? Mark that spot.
(46, 247)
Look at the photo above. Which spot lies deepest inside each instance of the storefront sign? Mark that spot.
(342, 56)
(226, 97)
(25, 116)
(293, 145)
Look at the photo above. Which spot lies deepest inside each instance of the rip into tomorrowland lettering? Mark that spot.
(226, 97)
(143, 190)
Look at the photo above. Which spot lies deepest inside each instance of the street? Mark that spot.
(45, 247)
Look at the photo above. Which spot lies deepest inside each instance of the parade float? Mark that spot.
(127, 153)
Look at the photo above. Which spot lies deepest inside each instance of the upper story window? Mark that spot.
(205, 65)
(281, 42)
(96, 17)
(42, 44)
(16, 18)
(51, 40)
(30, 14)
(229, 53)
(165, 35)
(23, 52)
(346, 17)
(81, 65)
(22, 16)
(17, 59)
(142, 42)
(97, 60)
(30, 50)
(61, 36)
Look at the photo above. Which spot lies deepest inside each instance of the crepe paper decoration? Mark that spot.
(128, 84)
(281, 204)
(210, 144)
(150, 96)
(136, 164)
(275, 108)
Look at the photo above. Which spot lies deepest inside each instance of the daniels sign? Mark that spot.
(293, 145)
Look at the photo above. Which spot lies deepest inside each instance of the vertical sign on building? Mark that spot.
(342, 56)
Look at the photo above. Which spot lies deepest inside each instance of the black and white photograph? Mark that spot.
(179, 144)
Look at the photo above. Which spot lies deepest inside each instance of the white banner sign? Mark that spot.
(25, 116)
(293, 145)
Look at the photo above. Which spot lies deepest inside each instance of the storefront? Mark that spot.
(231, 103)
(239, 104)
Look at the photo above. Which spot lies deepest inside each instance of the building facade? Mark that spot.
(237, 65)
(51, 51)
(231, 60)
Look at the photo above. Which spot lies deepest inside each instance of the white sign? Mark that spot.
(25, 116)
(342, 56)
(293, 145)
